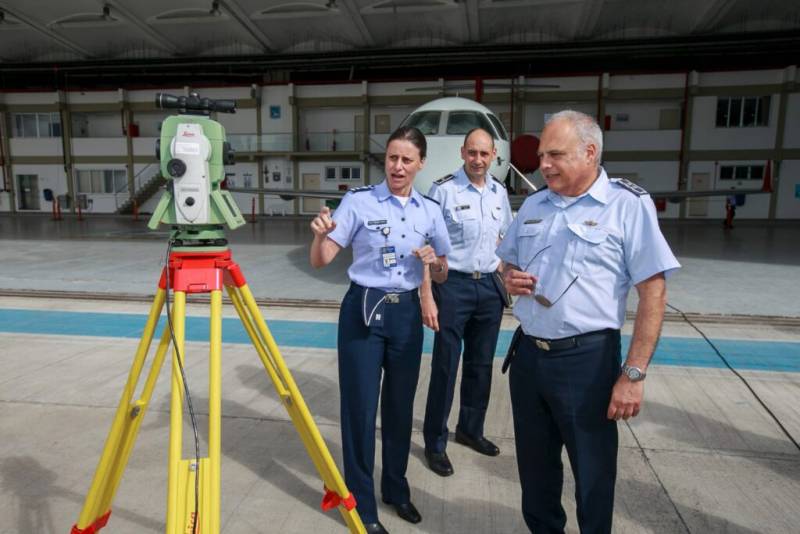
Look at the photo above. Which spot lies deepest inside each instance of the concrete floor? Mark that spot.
(703, 456)
(751, 270)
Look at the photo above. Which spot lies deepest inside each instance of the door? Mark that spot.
(310, 182)
(698, 207)
(28, 188)
(358, 129)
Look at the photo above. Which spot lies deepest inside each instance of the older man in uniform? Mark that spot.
(470, 306)
(572, 254)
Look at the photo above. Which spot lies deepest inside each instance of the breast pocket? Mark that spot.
(455, 221)
(530, 242)
(468, 223)
(375, 236)
(496, 220)
(588, 247)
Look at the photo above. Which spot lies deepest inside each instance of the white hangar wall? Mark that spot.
(315, 136)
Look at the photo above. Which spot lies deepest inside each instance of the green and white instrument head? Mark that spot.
(193, 152)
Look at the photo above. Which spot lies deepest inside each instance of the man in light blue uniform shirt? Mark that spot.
(468, 305)
(573, 253)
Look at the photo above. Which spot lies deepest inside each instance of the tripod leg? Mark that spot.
(181, 496)
(212, 501)
(124, 429)
(176, 413)
(337, 493)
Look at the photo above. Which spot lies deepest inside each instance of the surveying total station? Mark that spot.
(193, 151)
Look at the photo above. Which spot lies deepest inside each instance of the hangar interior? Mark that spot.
(701, 97)
(691, 95)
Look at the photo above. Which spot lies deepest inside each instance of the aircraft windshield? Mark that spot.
(501, 130)
(461, 122)
(426, 122)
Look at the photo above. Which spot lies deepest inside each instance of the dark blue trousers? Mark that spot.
(469, 310)
(391, 350)
(560, 398)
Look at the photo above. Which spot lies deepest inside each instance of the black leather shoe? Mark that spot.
(439, 463)
(481, 444)
(407, 511)
(375, 528)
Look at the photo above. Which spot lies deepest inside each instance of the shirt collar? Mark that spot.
(463, 181)
(598, 190)
(383, 193)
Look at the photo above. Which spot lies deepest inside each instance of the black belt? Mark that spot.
(566, 343)
(474, 275)
(389, 297)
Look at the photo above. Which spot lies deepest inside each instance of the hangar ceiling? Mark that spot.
(243, 36)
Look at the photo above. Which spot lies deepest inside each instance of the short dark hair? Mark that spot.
(472, 131)
(413, 136)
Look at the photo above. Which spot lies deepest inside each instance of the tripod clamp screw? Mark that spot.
(135, 411)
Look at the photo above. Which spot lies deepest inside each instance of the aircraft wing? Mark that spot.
(671, 196)
(288, 194)
(678, 196)
(515, 200)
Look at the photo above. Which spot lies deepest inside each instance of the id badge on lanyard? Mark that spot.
(388, 253)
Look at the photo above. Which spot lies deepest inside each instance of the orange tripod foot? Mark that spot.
(94, 527)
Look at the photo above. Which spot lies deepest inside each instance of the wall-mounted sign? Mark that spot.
(274, 112)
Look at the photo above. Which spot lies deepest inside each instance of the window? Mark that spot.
(426, 122)
(461, 122)
(501, 131)
(741, 172)
(102, 181)
(37, 125)
(740, 111)
(343, 173)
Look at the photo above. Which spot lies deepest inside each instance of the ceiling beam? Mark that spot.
(243, 20)
(588, 19)
(354, 16)
(711, 15)
(148, 32)
(472, 20)
(47, 32)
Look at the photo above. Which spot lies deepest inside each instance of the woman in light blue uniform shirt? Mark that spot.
(398, 236)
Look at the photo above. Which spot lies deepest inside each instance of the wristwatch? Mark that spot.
(634, 374)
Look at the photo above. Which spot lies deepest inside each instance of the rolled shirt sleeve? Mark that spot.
(646, 250)
(346, 219)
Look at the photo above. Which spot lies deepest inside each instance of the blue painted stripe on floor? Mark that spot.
(689, 352)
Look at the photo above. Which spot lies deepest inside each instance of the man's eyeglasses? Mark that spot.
(541, 299)
(546, 302)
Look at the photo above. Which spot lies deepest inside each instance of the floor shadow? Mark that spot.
(678, 424)
(33, 489)
(667, 519)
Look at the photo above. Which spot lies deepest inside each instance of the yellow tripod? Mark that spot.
(202, 272)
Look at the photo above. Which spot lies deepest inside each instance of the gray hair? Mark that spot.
(586, 128)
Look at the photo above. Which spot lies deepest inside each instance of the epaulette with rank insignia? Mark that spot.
(362, 188)
(630, 186)
(444, 179)
(498, 181)
(432, 200)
